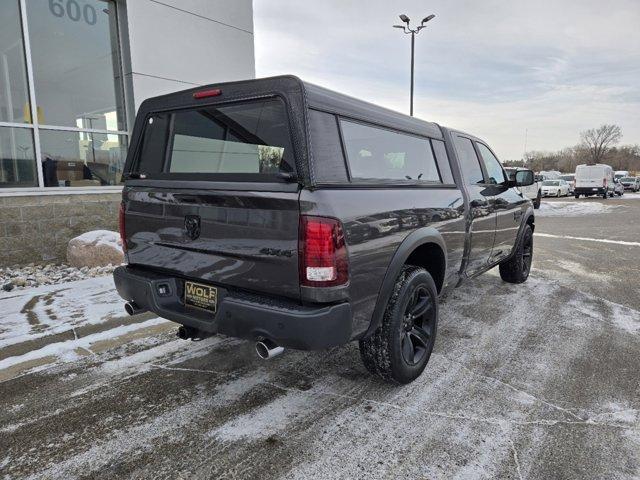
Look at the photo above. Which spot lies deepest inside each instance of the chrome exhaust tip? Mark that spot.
(267, 349)
(132, 309)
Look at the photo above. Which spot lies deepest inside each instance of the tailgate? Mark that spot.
(212, 186)
(242, 239)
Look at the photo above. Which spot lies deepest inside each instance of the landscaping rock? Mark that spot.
(98, 248)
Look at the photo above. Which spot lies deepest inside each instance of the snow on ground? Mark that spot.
(488, 396)
(50, 309)
(573, 209)
(67, 351)
(630, 196)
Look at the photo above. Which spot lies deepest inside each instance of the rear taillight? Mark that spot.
(323, 252)
(123, 233)
(604, 182)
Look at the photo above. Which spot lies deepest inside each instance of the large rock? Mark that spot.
(95, 249)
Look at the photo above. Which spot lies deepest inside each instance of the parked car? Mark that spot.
(596, 179)
(245, 207)
(618, 174)
(570, 178)
(532, 191)
(618, 188)
(631, 183)
(549, 174)
(555, 188)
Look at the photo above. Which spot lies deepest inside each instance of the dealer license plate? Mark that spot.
(201, 296)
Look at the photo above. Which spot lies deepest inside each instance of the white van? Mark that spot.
(596, 179)
(621, 173)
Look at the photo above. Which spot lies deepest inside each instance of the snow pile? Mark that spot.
(573, 209)
(95, 249)
(101, 237)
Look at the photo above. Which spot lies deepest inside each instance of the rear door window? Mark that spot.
(469, 162)
(379, 154)
(240, 139)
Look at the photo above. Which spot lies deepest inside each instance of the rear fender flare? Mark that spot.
(414, 240)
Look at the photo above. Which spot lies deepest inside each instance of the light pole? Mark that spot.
(406, 29)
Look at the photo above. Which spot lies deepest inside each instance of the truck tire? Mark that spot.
(516, 269)
(399, 350)
(536, 202)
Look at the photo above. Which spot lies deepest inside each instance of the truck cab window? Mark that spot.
(494, 169)
(468, 161)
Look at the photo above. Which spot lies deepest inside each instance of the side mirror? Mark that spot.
(524, 178)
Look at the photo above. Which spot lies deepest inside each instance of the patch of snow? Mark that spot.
(46, 310)
(630, 196)
(67, 351)
(141, 438)
(575, 268)
(573, 209)
(101, 237)
(268, 419)
(588, 239)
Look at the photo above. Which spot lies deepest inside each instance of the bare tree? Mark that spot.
(598, 141)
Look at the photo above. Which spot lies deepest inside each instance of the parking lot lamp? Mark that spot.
(407, 29)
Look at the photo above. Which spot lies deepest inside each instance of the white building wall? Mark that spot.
(172, 45)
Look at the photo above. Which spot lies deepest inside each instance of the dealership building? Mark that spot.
(72, 74)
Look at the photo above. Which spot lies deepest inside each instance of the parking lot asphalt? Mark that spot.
(539, 380)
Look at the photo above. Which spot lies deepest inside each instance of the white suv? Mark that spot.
(532, 191)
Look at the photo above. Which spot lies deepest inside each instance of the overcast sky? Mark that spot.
(494, 68)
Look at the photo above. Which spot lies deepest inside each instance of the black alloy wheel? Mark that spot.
(417, 326)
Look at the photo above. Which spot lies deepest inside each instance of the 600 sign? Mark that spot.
(74, 11)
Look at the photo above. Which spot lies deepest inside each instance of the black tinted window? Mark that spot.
(241, 138)
(378, 153)
(443, 161)
(491, 163)
(154, 141)
(328, 160)
(468, 161)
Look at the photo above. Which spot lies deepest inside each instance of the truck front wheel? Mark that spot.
(398, 351)
(517, 268)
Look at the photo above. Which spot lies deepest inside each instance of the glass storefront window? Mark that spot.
(75, 58)
(82, 159)
(17, 158)
(61, 94)
(14, 93)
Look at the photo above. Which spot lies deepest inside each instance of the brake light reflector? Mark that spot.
(214, 92)
(323, 252)
(121, 227)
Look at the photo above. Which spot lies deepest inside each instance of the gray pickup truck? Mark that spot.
(285, 213)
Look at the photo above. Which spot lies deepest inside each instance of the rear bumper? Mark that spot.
(589, 190)
(239, 315)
